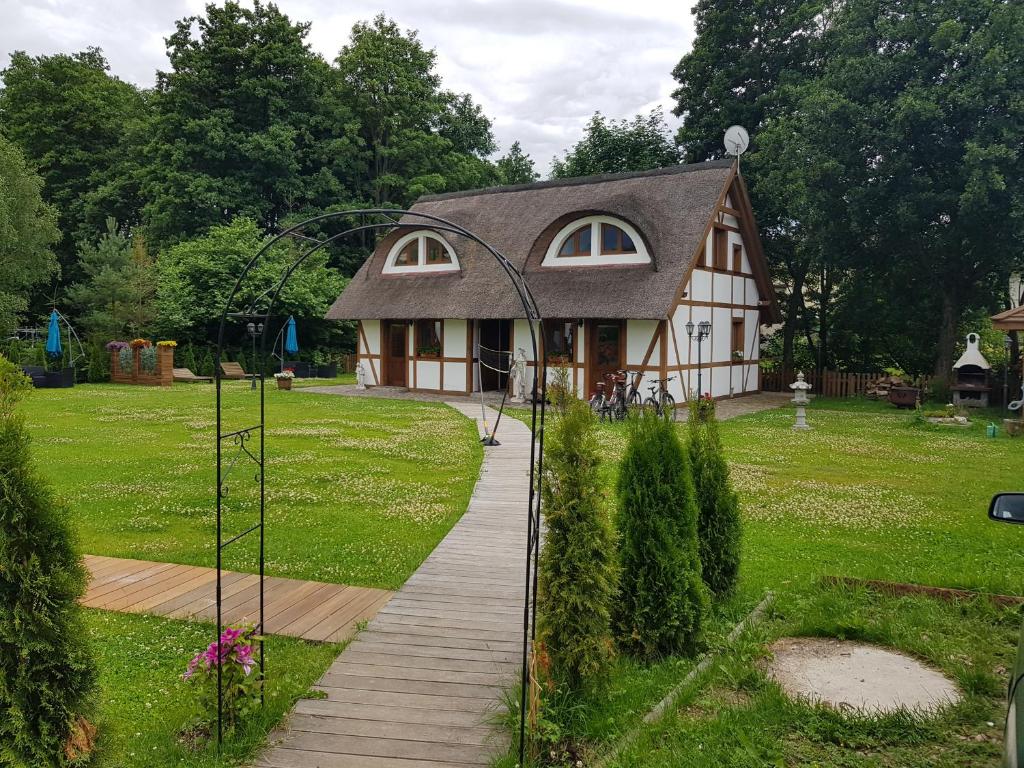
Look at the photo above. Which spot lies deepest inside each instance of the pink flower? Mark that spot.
(244, 657)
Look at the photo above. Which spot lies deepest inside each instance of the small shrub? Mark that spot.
(560, 391)
(147, 359)
(576, 578)
(126, 359)
(718, 513)
(47, 674)
(662, 597)
(236, 655)
(98, 363)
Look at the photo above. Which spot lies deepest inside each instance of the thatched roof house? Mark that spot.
(619, 263)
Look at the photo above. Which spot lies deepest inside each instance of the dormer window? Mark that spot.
(419, 252)
(595, 241)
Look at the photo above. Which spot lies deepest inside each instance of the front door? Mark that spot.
(607, 344)
(397, 352)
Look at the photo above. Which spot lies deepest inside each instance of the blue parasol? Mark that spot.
(291, 341)
(53, 347)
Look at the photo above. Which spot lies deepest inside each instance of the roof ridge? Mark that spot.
(575, 181)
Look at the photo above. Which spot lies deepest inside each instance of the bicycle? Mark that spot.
(664, 404)
(611, 406)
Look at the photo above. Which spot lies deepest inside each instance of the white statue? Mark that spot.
(800, 400)
(360, 376)
(517, 378)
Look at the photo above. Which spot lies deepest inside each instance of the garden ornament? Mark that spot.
(517, 379)
(360, 376)
(800, 400)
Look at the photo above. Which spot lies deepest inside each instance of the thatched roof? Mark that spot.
(670, 207)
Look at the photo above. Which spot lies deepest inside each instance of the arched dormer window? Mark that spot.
(596, 241)
(418, 252)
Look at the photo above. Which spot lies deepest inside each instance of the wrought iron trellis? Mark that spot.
(240, 439)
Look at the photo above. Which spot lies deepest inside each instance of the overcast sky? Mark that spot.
(540, 68)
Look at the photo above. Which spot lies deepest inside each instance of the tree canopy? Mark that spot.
(28, 231)
(615, 146)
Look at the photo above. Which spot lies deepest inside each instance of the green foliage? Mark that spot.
(80, 127)
(27, 231)
(147, 359)
(662, 600)
(577, 565)
(615, 146)
(416, 138)
(718, 507)
(46, 671)
(115, 298)
(516, 167)
(195, 277)
(240, 124)
(126, 359)
(97, 363)
(885, 184)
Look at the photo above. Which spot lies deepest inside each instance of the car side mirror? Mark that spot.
(1007, 508)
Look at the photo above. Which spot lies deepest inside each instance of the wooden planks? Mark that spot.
(419, 688)
(308, 609)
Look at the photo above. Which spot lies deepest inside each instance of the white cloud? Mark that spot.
(540, 68)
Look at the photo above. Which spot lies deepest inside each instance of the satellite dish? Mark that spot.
(736, 140)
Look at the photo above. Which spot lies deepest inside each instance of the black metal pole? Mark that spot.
(252, 335)
(700, 386)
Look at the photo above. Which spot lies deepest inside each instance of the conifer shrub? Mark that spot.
(47, 674)
(662, 598)
(576, 578)
(718, 509)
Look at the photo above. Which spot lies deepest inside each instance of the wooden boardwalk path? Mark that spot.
(306, 609)
(420, 686)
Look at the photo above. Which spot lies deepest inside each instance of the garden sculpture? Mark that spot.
(360, 376)
(800, 400)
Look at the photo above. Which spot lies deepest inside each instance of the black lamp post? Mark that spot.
(254, 330)
(1007, 345)
(703, 331)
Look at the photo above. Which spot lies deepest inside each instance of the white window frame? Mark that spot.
(421, 266)
(596, 257)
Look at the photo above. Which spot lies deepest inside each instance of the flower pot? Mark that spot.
(904, 397)
(284, 383)
(1013, 427)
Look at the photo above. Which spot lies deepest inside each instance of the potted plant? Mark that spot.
(428, 351)
(284, 378)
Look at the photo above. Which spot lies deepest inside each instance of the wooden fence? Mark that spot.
(826, 383)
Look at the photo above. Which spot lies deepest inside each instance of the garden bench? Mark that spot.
(233, 371)
(184, 374)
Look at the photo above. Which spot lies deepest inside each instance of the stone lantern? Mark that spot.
(800, 400)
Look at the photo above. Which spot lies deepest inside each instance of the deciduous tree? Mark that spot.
(617, 146)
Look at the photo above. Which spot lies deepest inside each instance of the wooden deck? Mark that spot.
(420, 687)
(308, 609)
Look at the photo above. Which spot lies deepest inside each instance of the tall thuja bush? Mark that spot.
(577, 565)
(662, 598)
(46, 671)
(718, 521)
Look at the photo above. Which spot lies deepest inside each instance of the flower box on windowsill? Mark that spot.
(737, 356)
(559, 360)
(428, 353)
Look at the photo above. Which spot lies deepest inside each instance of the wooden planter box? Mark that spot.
(163, 376)
(904, 397)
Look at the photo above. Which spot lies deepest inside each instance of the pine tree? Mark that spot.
(662, 598)
(577, 566)
(46, 671)
(718, 520)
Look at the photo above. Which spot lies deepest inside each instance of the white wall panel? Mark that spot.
(455, 376)
(372, 330)
(722, 288)
(454, 340)
(428, 374)
(638, 338)
(721, 332)
(700, 286)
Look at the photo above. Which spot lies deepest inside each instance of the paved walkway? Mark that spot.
(306, 609)
(419, 687)
(726, 408)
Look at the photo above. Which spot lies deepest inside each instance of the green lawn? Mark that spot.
(869, 492)
(738, 718)
(143, 705)
(359, 491)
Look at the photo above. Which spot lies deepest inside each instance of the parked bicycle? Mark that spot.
(663, 403)
(613, 398)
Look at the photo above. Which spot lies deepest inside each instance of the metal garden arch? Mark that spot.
(235, 446)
